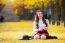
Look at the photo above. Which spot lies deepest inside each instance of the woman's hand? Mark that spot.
(40, 29)
(45, 28)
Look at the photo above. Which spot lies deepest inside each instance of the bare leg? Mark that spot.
(43, 36)
(37, 36)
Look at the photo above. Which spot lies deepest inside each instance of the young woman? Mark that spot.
(40, 26)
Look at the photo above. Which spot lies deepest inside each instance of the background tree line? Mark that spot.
(26, 9)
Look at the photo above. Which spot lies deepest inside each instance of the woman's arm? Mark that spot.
(47, 23)
(36, 29)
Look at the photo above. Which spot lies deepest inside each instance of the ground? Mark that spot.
(10, 32)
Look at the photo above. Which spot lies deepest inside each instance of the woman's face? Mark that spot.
(40, 15)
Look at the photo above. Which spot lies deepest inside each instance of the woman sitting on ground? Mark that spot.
(40, 26)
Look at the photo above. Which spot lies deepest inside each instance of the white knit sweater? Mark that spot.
(41, 25)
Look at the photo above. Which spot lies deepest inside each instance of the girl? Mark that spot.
(40, 26)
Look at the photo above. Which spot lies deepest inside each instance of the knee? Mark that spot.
(43, 37)
(36, 37)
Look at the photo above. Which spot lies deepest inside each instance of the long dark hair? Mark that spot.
(37, 19)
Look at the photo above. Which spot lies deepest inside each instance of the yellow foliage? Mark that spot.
(3, 1)
(33, 3)
(29, 4)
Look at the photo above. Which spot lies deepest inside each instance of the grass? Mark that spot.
(10, 32)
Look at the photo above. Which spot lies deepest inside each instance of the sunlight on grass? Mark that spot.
(15, 30)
